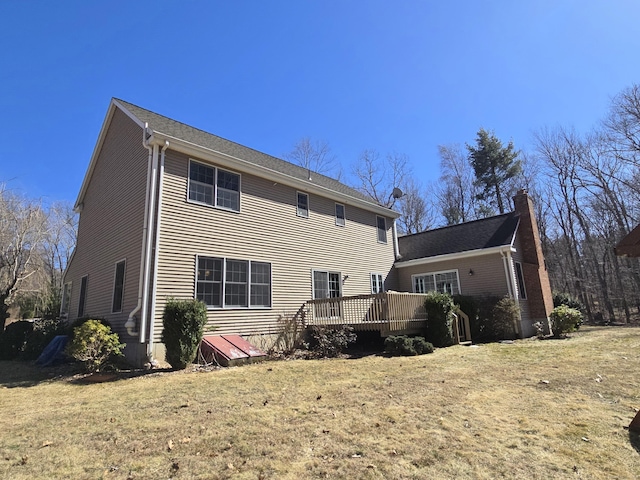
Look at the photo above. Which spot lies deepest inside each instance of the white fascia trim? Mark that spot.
(456, 256)
(235, 163)
(515, 233)
(96, 150)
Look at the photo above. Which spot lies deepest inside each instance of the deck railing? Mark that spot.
(387, 312)
(381, 311)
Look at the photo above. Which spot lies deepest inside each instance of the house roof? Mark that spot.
(465, 237)
(167, 126)
(629, 246)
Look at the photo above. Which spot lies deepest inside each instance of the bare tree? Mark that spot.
(417, 212)
(315, 156)
(377, 177)
(23, 226)
(457, 192)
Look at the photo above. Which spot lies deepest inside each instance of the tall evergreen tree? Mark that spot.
(493, 165)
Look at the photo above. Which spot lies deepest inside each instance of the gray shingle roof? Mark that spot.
(479, 234)
(162, 124)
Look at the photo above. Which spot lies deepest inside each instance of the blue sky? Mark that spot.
(395, 76)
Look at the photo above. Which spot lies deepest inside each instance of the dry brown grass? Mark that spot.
(462, 412)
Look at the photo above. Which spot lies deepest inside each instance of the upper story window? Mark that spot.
(442, 282)
(303, 205)
(520, 277)
(382, 229)
(214, 186)
(340, 215)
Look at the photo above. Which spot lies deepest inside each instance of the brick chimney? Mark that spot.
(536, 278)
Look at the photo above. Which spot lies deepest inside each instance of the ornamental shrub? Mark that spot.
(401, 345)
(505, 314)
(562, 298)
(564, 320)
(94, 344)
(44, 330)
(183, 322)
(439, 326)
(330, 341)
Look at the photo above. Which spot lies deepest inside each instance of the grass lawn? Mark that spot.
(531, 409)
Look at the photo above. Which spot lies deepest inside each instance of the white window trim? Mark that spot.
(380, 278)
(113, 289)
(298, 212)
(522, 289)
(215, 187)
(378, 230)
(83, 298)
(66, 298)
(313, 280)
(341, 222)
(433, 274)
(224, 281)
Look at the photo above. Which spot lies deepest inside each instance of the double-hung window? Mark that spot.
(303, 205)
(214, 186)
(442, 282)
(231, 283)
(382, 229)
(340, 215)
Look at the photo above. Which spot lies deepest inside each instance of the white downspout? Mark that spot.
(147, 262)
(130, 324)
(154, 280)
(513, 290)
(394, 234)
(506, 273)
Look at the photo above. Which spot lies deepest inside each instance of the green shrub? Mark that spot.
(401, 345)
(564, 320)
(43, 332)
(14, 339)
(69, 327)
(94, 344)
(562, 298)
(439, 326)
(183, 322)
(506, 313)
(330, 341)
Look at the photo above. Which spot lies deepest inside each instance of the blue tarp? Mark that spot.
(53, 352)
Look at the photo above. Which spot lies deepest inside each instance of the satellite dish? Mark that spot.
(397, 193)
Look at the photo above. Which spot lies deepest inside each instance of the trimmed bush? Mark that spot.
(439, 326)
(401, 345)
(94, 344)
(183, 322)
(565, 320)
(504, 316)
(330, 342)
(14, 339)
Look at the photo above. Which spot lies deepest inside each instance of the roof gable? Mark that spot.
(476, 235)
(167, 126)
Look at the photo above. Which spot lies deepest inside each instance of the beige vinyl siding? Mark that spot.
(488, 274)
(266, 229)
(110, 225)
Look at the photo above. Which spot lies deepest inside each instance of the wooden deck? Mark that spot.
(390, 313)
